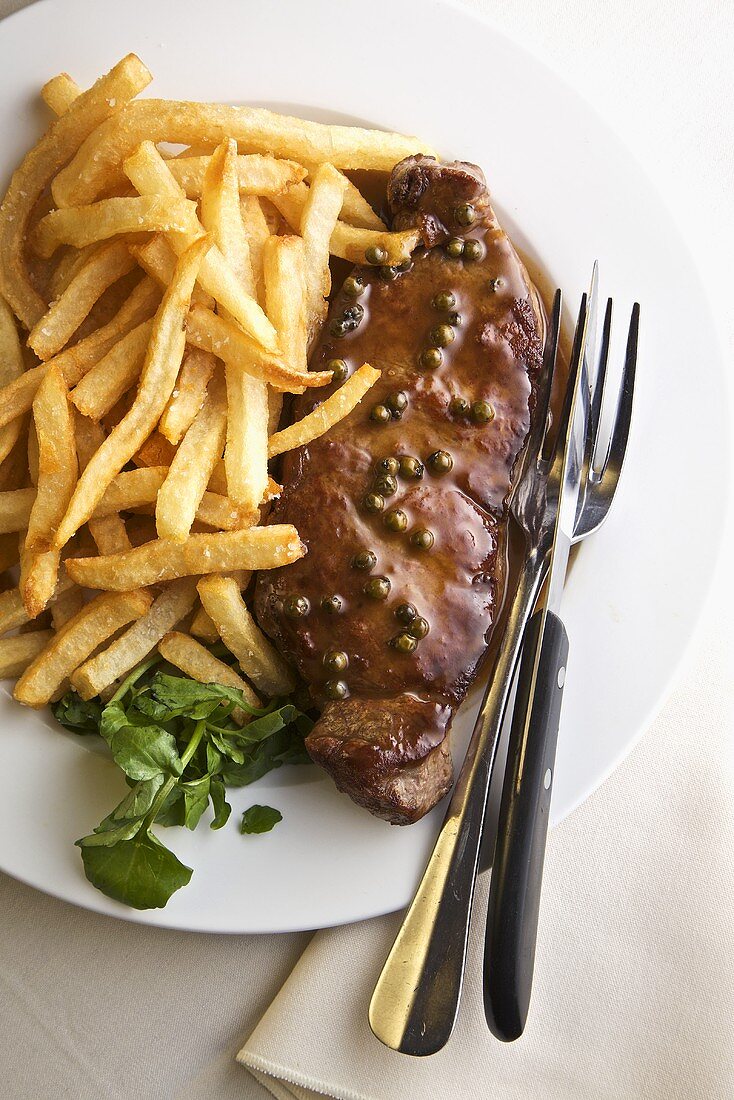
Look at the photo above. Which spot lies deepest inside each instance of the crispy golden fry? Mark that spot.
(258, 659)
(257, 231)
(203, 627)
(207, 330)
(59, 93)
(284, 267)
(16, 398)
(83, 225)
(254, 129)
(357, 211)
(151, 176)
(221, 214)
(57, 463)
(116, 372)
(188, 396)
(12, 612)
(108, 533)
(39, 570)
(135, 489)
(275, 409)
(189, 473)
(11, 367)
(18, 652)
(351, 243)
(96, 674)
(69, 264)
(41, 164)
(157, 451)
(64, 316)
(15, 509)
(255, 174)
(66, 606)
(254, 548)
(326, 415)
(160, 371)
(320, 215)
(76, 640)
(157, 259)
(198, 663)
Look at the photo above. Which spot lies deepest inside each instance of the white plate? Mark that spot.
(569, 192)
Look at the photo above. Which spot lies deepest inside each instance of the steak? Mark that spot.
(403, 506)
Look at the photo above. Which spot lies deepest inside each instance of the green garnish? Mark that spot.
(260, 819)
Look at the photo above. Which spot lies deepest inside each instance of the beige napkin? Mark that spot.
(634, 987)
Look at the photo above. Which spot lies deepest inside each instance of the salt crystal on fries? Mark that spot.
(258, 659)
(188, 396)
(157, 561)
(77, 639)
(326, 415)
(83, 225)
(18, 652)
(198, 663)
(96, 674)
(160, 371)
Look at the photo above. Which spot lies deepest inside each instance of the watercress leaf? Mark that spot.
(109, 833)
(214, 758)
(260, 819)
(135, 804)
(140, 872)
(181, 694)
(77, 714)
(228, 746)
(145, 704)
(221, 807)
(173, 810)
(144, 751)
(260, 728)
(196, 800)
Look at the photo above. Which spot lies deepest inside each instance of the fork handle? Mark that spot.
(517, 869)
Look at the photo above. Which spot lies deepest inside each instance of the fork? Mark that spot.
(416, 1000)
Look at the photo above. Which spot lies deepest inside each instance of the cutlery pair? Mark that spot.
(560, 497)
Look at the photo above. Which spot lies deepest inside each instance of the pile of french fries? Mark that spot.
(167, 300)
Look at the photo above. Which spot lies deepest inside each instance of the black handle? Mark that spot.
(517, 868)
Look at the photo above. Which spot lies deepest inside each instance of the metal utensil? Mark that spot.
(579, 488)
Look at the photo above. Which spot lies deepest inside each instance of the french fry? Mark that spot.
(320, 215)
(77, 639)
(136, 489)
(203, 627)
(96, 674)
(109, 532)
(188, 396)
(39, 570)
(257, 231)
(158, 378)
(326, 415)
(151, 176)
(157, 259)
(246, 452)
(255, 174)
(16, 398)
(284, 267)
(18, 652)
(83, 225)
(64, 316)
(213, 333)
(198, 663)
(275, 409)
(11, 367)
(59, 93)
(158, 561)
(69, 263)
(253, 128)
(116, 372)
(39, 167)
(68, 604)
(258, 659)
(189, 473)
(221, 214)
(351, 243)
(357, 211)
(12, 611)
(15, 509)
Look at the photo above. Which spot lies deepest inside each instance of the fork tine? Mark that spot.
(539, 427)
(592, 439)
(623, 416)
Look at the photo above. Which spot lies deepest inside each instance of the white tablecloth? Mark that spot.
(635, 989)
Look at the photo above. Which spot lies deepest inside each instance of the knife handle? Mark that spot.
(517, 869)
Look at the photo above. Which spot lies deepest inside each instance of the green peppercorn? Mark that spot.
(387, 466)
(455, 247)
(353, 286)
(375, 255)
(335, 660)
(444, 301)
(404, 266)
(387, 274)
(481, 412)
(365, 560)
(418, 628)
(335, 689)
(397, 402)
(396, 519)
(465, 214)
(296, 607)
(405, 613)
(332, 605)
(440, 462)
(380, 414)
(411, 468)
(386, 485)
(377, 588)
(431, 358)
(442, 335)
(373, 502)
(339, 327)
(422, 538)
(455, 319)
(339, 369)
(458, 406)
(403, 643)
(473, 250)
